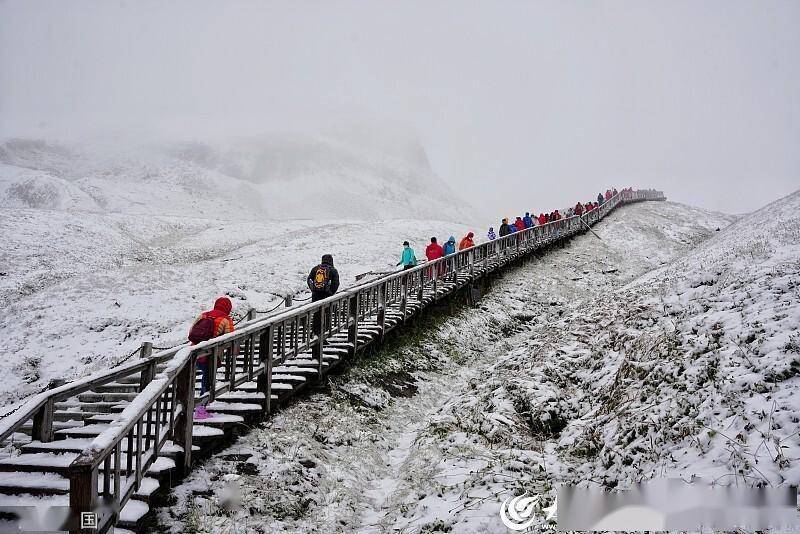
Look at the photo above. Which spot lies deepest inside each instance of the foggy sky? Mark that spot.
(520, 105)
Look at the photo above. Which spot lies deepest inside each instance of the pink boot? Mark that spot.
(200, 413)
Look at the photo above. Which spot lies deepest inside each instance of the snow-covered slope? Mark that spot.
(559, 376)
(105, 247)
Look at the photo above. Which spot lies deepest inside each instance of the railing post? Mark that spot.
(249, 355)
(382, 309)
(319, 330)
(287, 300)
(230, 361)
(82, 491)
(148, 373)
(265, 354)
(404, 294)
(471, 260)
(43, 422)
(211, 372)
(420, 292)
(435, 278)
(352, 323)
(184, 396)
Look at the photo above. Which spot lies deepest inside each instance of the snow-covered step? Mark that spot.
(33, 483)
(163, 464)
(202, 433)
(242, 396)
(133, 511)
(38, 462)
(221, 420)
(106, 397)
(236, 408)
(118, 387)
(96, 407)
(58, 446)
(283, 377)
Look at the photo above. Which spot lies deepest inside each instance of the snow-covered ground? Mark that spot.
(666, 349)
(105, 248)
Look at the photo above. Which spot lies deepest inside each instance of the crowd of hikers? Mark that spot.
(323, 280)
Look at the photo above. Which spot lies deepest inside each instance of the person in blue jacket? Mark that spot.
(450, 246)
(527, 220)
(491, 235)
(408, 259)
(512, 228)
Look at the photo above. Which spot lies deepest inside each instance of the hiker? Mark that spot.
(491, 235)
(600, 198)
(527, 220)
(542, 219)
(504, 228)
(434, 252)
(323, 280)
(407, 259)
(520, 224)
(578, 209)
(608, 194)
(450, 246)
(467, 242)
(208, 325)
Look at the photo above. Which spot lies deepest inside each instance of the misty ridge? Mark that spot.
(362, 172)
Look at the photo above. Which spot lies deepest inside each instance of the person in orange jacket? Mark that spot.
(208, 325)
(467, 242)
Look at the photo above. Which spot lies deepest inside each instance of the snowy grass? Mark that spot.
(563, 374)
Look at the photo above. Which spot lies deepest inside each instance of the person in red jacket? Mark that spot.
(542, 219)
(520, 224)
(608, 194)
(578, 209)
(434, 251)
(208, 325)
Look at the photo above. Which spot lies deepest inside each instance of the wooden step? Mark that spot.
(106, 397)
(96, 407)
(33, 483)
(234, 408)
(118, 387)
(38, 463)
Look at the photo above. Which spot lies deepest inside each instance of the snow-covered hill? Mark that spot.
(570, 371)
(290, 176)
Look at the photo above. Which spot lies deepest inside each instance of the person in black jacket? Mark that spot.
(323, 280)
(504, 228)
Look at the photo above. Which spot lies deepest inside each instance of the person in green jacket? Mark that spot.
(408, 259)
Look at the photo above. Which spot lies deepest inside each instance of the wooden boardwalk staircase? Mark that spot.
(95, 451)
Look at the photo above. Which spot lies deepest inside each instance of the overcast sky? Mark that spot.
(519, 104)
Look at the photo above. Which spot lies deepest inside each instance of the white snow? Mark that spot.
(101, 250)
(516, 396)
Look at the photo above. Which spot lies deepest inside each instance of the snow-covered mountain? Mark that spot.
(287, 176)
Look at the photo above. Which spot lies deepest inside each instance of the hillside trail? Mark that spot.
(370, 454)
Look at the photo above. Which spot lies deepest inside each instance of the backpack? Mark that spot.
(202, 330)
(322, 279)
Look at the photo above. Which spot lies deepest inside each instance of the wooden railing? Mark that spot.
(107, 473)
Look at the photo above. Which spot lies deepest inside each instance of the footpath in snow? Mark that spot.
(666, 349)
